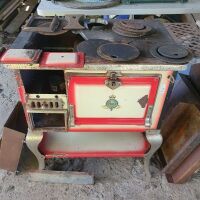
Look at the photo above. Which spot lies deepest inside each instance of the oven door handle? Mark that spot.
(148, 119)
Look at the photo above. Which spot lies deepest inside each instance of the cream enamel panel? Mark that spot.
(91, 101)
(94, 142)
(160, 99)
(62, 58)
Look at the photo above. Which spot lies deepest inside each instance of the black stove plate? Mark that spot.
(118, 52)
(89, 47)
(171, 53)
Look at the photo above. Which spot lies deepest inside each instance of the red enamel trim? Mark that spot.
(27, 116)
(91, 129)
(97, 154)
(80, 63)
(16, 59)
(152, 81)
(21, 92)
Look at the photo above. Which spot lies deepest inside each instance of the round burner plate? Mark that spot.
(173, 51)
(130, 28)
(118, 52)
(89, 47)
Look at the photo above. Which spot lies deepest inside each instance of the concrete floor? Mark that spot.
(116, 179)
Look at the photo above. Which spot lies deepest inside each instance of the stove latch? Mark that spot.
(148, 120)
(113, 81)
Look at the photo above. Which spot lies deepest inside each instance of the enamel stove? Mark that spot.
(96, 92)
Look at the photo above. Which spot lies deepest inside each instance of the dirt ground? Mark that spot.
(116, 179)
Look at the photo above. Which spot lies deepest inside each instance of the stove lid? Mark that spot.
(89, 47)
(118, 52)
(131, 28)
(172, 53)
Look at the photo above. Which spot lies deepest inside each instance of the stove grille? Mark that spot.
(186, 34)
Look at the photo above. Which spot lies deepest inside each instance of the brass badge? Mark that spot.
(112, 103)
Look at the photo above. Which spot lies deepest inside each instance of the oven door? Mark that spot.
(98, 100)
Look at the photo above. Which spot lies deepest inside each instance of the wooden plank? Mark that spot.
(62, 177)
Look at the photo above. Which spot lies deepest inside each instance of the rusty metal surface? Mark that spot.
(53, 25)
(188, 167)
(13, 137)
(172, 53)
(130, 28)
(89, 47)
(118, 52)
(158, 35)
(181, 135)
(69, 40)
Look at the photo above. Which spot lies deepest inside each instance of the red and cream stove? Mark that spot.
(101, 98)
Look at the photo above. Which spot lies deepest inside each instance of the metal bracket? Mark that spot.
(33, 140)
(53, 25)
(113, 81)
(155, 139)
(148, 120)
(71, 116)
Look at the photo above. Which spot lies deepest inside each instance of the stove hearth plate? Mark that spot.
(89, 47)
(118, 52)
(172, 53)
(130, 28)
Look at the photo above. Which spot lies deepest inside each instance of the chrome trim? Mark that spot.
(148, 119)
(71, 116)
(155, 139)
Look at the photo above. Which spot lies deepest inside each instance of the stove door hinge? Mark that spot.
(71, 119)
(113, 82)
(148, 120)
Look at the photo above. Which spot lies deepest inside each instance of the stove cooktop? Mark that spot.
(145, 40)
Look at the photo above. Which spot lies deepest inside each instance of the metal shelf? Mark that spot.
(48, 8)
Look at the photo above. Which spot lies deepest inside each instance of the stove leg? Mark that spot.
(155, 140)
(33, 140)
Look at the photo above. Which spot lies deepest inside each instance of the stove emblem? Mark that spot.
(112, 103)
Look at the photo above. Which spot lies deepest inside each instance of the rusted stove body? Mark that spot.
(79, 105)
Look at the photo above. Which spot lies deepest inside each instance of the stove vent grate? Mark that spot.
(185, 34)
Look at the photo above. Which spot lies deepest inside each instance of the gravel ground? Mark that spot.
(116, 179)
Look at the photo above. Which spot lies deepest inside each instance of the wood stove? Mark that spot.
(103, 97)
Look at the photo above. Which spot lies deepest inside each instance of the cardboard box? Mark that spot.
(14, 133)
